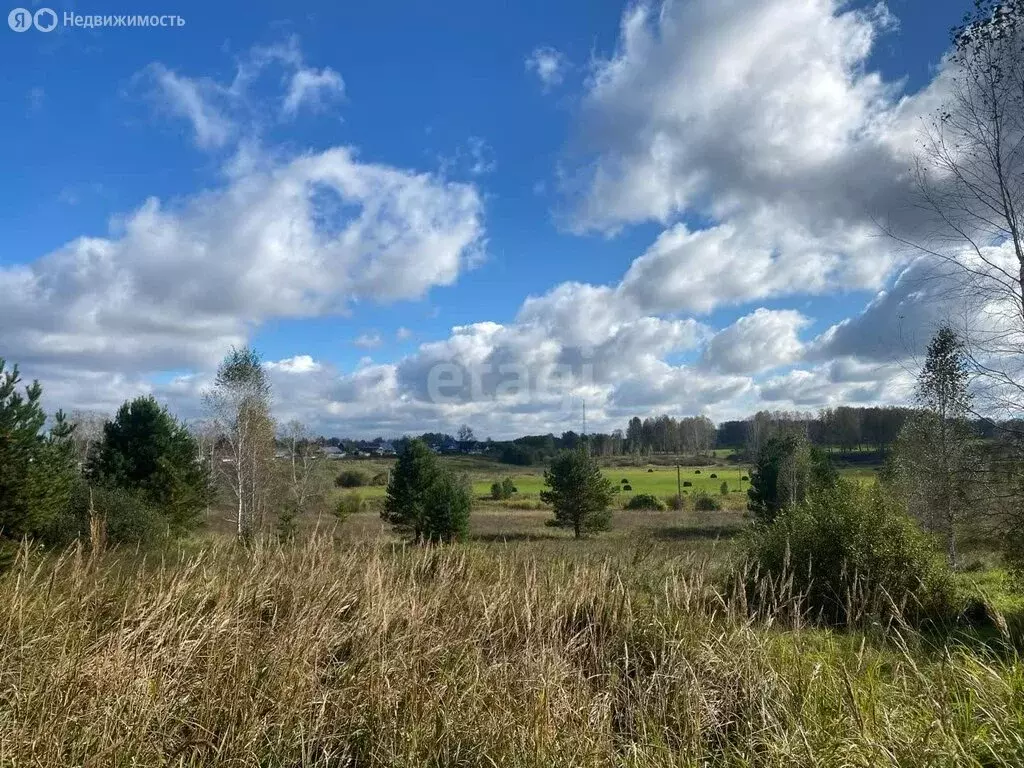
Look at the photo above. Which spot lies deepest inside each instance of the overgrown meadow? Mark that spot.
(518, 647)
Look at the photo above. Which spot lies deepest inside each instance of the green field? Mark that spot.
(647, 478)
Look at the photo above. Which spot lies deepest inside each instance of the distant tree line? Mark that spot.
(843, 429)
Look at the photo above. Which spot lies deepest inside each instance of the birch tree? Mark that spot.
(239, 404)
(970, 180)
(304, 476)
(87, 433)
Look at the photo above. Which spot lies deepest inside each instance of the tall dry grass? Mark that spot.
(356, 654)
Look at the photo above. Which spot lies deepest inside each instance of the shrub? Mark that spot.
(724, 488)
(853, 552)
(624, 481)
(503, 489)
(381, 478)
(650, 470)
(696, 472)
(579, 492)
(287, 515)
(645, 501)
(714, 476)
(350, 478)
(744, 477)
(703, 502)
(348, 505)
(627, 487)
(788, 469)
(675, 503)
(687, 484)
(127, 515)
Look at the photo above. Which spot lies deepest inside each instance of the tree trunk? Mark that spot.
(951, 554)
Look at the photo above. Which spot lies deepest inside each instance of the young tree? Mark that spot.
(240, 406)
(37, 468)
(147, 451)
(579, 492)
(935, 454)
(87, 433)
(205, 433)
(423, 500)
(304, 476)
(448, 504)
(787, 469)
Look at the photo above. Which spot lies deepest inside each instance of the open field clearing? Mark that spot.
(660, 481)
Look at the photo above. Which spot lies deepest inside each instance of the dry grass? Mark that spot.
(354, 653)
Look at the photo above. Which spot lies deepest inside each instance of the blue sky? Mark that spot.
(514, 131)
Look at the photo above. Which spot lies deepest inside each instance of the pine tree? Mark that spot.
(146, 451)
(425, 501)
(579, 492)
(448, 505)
(37, 468)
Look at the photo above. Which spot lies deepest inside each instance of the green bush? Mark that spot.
(788, 469)
(724, 488)
(703, 502)
(349, 504)
(503, 490)
(713, 476)
(687, 484)
(645, 501)
(350, 478)
(850, 553)
(128, 516)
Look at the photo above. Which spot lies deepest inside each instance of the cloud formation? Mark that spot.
(760, 120)
(173, 286)
(750, 131)
(221, 112)
(548, 64)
